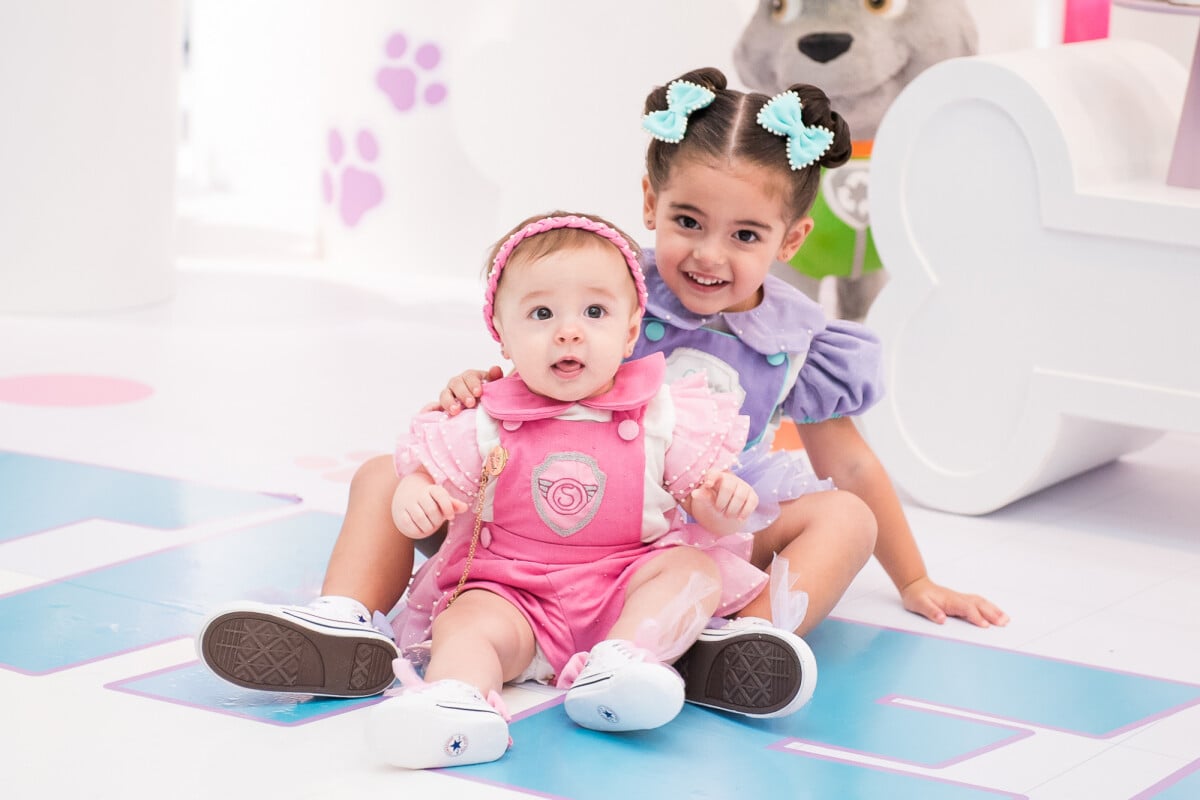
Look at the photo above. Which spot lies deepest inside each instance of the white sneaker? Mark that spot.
(621, 688)
(749, 667)
(316, 649)
(444, 724)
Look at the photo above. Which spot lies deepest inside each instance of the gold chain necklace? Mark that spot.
(492, 467)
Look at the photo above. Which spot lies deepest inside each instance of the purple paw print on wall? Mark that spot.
(401, 83)
(355, 191)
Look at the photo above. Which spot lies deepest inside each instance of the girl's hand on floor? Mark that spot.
(936, 603)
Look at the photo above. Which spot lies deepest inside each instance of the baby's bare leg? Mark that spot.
(457, 717)
(656, 584)
(371, 561)
(826, 537)
(481, 639)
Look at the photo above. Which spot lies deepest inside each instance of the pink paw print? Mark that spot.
(355, 191)
(401, 83)
(334, 469)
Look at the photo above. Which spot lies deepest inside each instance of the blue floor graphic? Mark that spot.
(861, 665)
(702, 754)
(1183, 785)
(162, 596)
(38, 494)
(866, 672)
(192, 684)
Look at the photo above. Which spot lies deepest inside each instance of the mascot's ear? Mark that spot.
(795, 235)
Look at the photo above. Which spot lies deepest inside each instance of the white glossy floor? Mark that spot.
(275, 377)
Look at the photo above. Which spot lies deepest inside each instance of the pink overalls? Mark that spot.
(568, 508)
(567, 529)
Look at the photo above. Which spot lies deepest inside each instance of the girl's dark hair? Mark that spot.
(728, 129)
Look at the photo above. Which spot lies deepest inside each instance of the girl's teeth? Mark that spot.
(706, 281)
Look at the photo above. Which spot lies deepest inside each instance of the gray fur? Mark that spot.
(883, 57)
(862, 60)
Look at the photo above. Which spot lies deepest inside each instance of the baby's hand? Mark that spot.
(722, 502)
(418, 511)
(463, 391)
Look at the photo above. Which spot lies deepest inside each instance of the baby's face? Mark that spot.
(568, 319)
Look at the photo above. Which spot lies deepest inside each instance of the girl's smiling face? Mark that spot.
(568, 319)
(717, 232)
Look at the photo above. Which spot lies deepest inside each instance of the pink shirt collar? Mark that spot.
(636, 384)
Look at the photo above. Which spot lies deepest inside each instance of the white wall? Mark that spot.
(251, 107)
(254, 108)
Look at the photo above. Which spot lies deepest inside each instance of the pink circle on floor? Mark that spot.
(71, 390)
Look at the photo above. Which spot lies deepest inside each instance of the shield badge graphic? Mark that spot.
(567, 491)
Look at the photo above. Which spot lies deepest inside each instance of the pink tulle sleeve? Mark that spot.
(708, 436)
(446, 447)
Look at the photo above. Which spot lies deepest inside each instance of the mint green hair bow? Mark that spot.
(805, 143)
(683, 98)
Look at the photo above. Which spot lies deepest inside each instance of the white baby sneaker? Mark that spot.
(442, 724)
(749, 667)
(622, 688)
(326, 648)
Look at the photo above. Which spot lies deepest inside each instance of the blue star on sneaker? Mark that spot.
(456, 745)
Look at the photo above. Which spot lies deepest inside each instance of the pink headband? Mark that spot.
(549, 224)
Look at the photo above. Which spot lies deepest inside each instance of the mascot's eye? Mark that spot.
(886, 8)
(784, 10)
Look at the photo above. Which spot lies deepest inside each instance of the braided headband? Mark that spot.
(549, 224)
(781, 115)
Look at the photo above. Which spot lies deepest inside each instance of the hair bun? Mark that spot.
(708, 77)
(818, 111)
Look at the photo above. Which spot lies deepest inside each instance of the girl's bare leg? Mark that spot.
(371, 561)
(827, 538)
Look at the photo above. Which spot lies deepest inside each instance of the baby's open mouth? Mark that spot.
(567, 367)
(704, 280)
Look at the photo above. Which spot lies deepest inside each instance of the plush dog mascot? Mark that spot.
(862, 53)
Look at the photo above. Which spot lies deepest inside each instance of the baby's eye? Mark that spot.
(746, 236)
(542, 313)
(594, 312)
(685, 221)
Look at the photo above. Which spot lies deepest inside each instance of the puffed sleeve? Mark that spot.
(842, 374)
(708, 436)
(446, 447)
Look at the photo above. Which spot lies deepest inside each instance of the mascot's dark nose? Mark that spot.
(822, 47)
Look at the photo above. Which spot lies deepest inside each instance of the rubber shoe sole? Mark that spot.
(278, 653)
(757, 673)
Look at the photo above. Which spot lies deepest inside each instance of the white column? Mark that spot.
(88, 140)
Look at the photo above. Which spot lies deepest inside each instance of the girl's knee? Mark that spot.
(857, 518)
(376, 474)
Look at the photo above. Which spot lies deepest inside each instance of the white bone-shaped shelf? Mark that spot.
(1041, 317)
